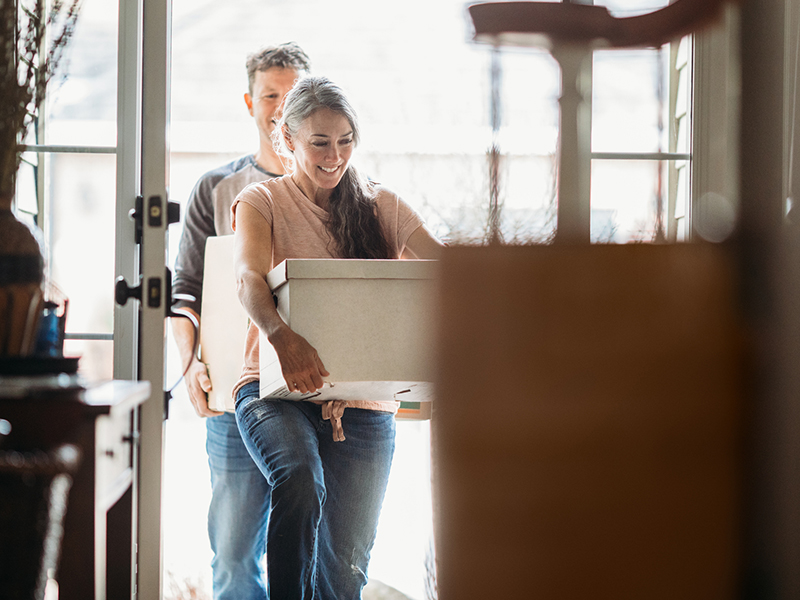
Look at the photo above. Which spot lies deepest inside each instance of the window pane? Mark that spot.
(634, 212)
(81, 238)
(529, 102)
(625, 212)
(682, 196)
(26, 185)
(82, 110)
(529, 199)
(96, 362)
(629, 97)
(528, 141)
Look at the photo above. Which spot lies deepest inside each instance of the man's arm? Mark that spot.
(197, 228)
(197, 382)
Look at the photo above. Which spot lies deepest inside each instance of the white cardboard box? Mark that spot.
(223, 329)
(371, 322)
(223, 323)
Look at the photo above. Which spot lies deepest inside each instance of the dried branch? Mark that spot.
(28, 66)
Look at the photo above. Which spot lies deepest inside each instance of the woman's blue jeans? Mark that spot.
(237, 516)
(326, 495)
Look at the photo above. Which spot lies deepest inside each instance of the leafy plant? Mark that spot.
(33, 37)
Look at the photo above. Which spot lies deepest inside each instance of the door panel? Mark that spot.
(143, 102)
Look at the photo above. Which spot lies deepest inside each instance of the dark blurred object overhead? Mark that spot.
(542, 23)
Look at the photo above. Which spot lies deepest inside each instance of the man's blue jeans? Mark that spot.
(326, 495)
(237, 517)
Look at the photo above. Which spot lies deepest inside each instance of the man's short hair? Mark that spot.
(286, 56)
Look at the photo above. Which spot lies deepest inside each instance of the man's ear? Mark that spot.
(248, 99)
(287, 138)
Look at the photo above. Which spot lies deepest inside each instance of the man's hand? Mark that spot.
(197, 382)
(198, 385)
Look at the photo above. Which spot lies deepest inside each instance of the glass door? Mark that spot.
(83, 170)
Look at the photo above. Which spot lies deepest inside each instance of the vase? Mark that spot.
(21, 276)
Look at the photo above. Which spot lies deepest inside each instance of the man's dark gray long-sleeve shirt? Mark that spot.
(208, 213)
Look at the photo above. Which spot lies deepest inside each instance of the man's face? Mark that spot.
(269, 89)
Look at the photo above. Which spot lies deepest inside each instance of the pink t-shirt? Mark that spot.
(298, 231)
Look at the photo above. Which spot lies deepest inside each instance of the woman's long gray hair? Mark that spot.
(353, 223)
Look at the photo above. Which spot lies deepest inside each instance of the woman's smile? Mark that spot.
(322, 149)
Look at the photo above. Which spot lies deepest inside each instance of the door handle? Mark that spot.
(122, 291)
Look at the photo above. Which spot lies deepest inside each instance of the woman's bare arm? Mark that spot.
(301, 366)
(423, 244)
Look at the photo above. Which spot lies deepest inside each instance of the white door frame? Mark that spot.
(139, 332)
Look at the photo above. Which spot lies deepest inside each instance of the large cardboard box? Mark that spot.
(223, 323)
(371, 321)
(223, 328)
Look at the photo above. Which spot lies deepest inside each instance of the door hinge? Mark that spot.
(167, 398)
(135, 215)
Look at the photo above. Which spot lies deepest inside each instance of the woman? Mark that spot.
(328, 471)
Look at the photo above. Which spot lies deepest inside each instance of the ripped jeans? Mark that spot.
(326, 495)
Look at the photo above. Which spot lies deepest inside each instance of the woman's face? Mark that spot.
(322, 149)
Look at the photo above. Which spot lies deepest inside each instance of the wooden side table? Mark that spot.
(97, 551)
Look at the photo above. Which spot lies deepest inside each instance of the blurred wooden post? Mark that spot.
(770, 250)
(574, 143)
(586, 431)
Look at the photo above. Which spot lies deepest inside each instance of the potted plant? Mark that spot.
(33, 36)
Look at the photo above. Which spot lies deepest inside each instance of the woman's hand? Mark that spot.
(300, 364)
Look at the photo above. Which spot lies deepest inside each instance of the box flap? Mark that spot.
(348, 268)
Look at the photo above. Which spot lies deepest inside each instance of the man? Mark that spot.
(240, 498)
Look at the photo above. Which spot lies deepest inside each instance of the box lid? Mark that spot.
(349, 268)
